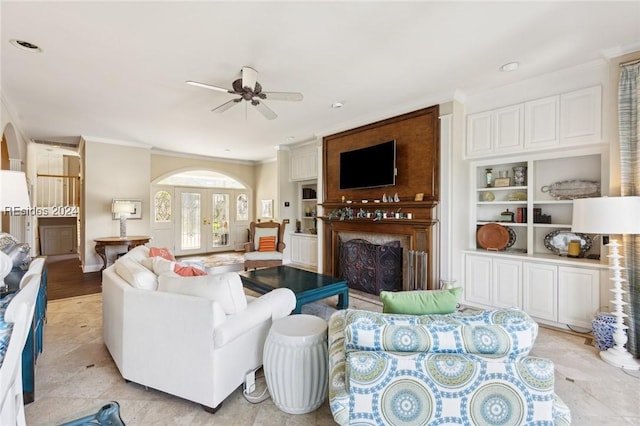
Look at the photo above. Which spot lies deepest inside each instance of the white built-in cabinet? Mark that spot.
(540, 290)
(556, 294)
(303, 163)
(578, 295)
(304, 250)
(496, 282)
(563, 120)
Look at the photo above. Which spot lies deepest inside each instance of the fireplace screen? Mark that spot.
(371, 267)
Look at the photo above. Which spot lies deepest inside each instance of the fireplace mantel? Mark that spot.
(418, 231)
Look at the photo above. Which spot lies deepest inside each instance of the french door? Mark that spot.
(203, 220)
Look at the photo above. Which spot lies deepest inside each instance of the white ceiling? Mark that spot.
(117, 70)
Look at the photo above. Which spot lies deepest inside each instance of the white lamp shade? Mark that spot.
(606, 215)
(122, 207)
(13, 190)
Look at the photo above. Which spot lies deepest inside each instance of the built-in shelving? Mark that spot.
(533, 196)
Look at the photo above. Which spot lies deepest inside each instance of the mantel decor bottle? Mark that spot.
(488, 173)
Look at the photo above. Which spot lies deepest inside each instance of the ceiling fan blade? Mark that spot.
(249, 78)
(264, 110)
(283, 96)
(225, 106)
(208, 86)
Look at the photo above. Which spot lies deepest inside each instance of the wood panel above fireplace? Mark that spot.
(417, 136)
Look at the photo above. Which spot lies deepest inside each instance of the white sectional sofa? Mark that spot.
(193, 337)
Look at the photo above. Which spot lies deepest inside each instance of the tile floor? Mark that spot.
(75, 376)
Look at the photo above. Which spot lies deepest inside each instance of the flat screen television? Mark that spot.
(369, 167)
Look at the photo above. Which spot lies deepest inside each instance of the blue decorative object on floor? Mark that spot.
(604, 325)
(107, 415)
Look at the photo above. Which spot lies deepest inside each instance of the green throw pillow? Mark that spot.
(420, 302)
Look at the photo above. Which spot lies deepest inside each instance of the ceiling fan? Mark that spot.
(251, 91)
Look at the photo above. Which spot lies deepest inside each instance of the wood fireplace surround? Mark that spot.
(417, 136)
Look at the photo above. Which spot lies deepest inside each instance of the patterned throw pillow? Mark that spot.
(267, 244)
(162, 252)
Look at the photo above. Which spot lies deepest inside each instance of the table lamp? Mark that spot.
(13, 195)
(122, 209)
(611, 216)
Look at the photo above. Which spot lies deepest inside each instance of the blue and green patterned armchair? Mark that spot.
(467, 368)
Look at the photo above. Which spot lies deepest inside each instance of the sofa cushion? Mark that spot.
(425, 388)
(498, 334)
(135, 274)
(137, 254)
(160, 265)
(225, 288)
(420, 302)
(263, 255)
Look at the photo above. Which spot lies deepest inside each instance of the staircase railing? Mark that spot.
(58, 191)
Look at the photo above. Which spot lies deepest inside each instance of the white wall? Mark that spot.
(112, 171)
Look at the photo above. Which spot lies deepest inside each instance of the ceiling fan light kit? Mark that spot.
(248, 88)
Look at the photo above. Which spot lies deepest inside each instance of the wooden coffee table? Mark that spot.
(307, 286)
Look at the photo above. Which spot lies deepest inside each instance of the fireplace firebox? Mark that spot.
(371, 267)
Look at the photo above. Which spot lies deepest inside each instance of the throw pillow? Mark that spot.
(263, 232)
(225, 288)
(161, 265)
(188, 271)
(420, 302)
(267, 244)
(135, 274)
(162, 252)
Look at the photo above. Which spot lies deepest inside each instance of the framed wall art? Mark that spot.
(267, 208)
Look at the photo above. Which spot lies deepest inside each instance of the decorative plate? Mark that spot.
(512, 237)
(572, 189)
(488, 196)
(494, 236)
(558, 241)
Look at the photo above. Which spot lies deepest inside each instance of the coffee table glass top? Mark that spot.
(284, 276)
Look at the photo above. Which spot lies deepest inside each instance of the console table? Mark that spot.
(130, 242)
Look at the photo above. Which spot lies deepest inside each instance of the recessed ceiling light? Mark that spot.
(227, 150)
(509, 66)
(25, 45)
(290, 138)
(337, 105)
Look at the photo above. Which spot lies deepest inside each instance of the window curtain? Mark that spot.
(629, 128)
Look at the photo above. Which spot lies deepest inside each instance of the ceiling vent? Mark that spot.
(55, 143)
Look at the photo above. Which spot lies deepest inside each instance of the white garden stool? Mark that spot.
(295, 363)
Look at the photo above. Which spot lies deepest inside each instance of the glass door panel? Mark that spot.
(190, 230)
(220, 220)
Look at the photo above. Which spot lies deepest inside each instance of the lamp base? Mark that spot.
(123, 226)
(620, 358)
